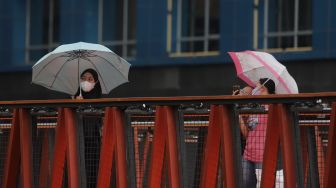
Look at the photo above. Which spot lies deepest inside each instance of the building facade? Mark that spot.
(176, 47)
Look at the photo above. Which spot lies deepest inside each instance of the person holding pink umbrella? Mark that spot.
(262, 71)
(255, 138)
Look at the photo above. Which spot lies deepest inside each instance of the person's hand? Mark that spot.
(79, 97)
(236, 92)
(235, 89)
(245, 118)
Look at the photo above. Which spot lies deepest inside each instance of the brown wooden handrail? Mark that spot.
(214, 98)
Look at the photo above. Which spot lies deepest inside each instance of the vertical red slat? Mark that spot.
(229, 170)
(44, 167)
(320, 156)
(59, 152)
(138, 168)
(330, 175)
(172, 151)
(157, 159)
(72, 149)
(143, 167)
(287, 139)
(120, 145)
(164, 175)
(271, 147)
(304, 151)
(26, 148)
(107, 149)
(211, 152)
(12, 165)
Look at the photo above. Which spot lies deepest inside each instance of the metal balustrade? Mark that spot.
(166, 142)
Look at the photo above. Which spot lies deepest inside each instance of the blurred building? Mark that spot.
(176, 47)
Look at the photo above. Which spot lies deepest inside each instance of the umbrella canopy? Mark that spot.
(252, 65)
(60, 69)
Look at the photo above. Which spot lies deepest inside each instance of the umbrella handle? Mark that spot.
(80, 91)
(256, 89)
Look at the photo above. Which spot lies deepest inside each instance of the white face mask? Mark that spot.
(87, 86)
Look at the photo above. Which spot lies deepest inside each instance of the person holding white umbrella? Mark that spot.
(85, 71)
(90, 88)
(61, 70)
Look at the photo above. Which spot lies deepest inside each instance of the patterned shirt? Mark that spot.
(255, 142)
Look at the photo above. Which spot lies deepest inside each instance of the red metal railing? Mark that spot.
(157, 159)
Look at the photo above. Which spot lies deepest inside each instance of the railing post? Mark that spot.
(300, 145)
(288, 152)
(12, 165)
(44, 174)
(229, 168)
(220, 132)
(172, 155)
(138, 171)
(164, 140)
(271, 148)
(279, 129)
(304, 154)
(26, 148)
(72, 147)
(312, 156)
(330, 175)
(211, 152)
(156, 166)
(107, 150)
(59, 151)
(120, 151)
(113, 142)
(321, 157)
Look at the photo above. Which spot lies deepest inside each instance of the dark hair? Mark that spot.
(96, 92)
(269, 84)
(93, 72)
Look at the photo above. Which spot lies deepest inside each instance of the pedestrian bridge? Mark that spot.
(191, 141)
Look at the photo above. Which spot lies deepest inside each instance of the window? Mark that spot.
(42, 28)
(117, 26)
(286, 24)
(193, 26)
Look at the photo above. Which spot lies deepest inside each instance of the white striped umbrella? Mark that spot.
(253, 65)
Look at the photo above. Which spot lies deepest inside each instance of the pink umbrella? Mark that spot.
(253, 65)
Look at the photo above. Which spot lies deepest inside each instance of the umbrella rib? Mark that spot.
(58, 73)
(110, 62)
(46, 66)
(273, 71)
